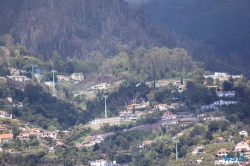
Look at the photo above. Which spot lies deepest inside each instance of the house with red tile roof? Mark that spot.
(6, 138)
(222, 152)
(168, 115)
(242, 146)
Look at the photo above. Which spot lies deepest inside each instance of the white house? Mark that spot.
(161, 107)
(19, 78)
(209, 107)
(48, 134)
(177, 83)
(243, 132)
(100, 86)
(201, 115)
(23, 136)
(226, 94)
(224, 162)
(221, 103)
(217, 75)
(14, 71)
(62, 77)
(101, 162)
(212, 118)
(77, 76)
(5, 115)
(9, 99)
(161, 83)
(174, 105)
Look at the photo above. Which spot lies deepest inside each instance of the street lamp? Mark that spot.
(105, 97)
(176, 148)
(53, 71)
(32, 71)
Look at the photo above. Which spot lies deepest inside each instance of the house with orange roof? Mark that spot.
(59, 143)
(147, 142)
(35, 131)
(168, 115)
(242, 146)
(138, 106)
(222, 152)
(6, 138)
(220, 139)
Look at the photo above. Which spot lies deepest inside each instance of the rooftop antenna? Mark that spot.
(53, 71)
(105, 97)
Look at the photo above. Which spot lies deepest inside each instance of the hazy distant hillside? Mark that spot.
(224, 24)
(77, 27)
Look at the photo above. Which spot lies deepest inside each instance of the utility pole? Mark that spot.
(53, 71)
(32, 71)
(176, 148)
(105, 97)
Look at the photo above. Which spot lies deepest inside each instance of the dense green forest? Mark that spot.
(222, 24)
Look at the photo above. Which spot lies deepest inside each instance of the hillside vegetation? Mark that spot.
(222, 24)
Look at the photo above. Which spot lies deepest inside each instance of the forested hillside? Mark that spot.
(222, 24)
(215, 32)
(75, 28)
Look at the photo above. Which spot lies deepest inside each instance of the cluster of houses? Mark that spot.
(222, 76)
(26, 134)
(242, 148)
(15, 75)
(209, 117)
(91, 141)
(164, 107)
(142, 105)
(128, 115)
(164, 83)
(216, 104)
(73, 76)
